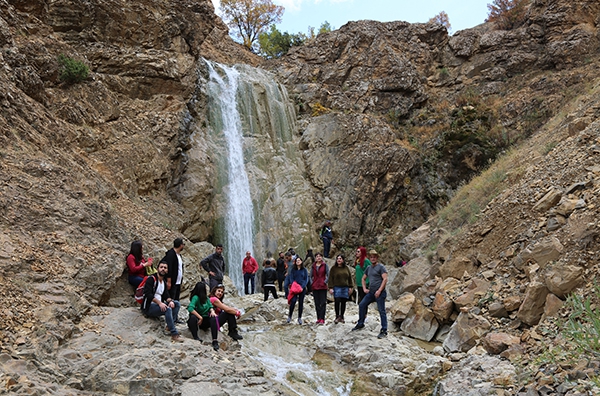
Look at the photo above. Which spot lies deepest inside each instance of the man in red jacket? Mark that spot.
(249, 268)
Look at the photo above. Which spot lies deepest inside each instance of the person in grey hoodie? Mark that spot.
(215, 266)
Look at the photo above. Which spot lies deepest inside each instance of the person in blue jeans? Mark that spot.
(326, 236)
(377, 275)
(157, 301)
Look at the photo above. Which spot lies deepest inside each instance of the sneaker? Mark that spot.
(342, 320)
(337, 320)
(289, 319)
(299, 321)
(215, 345)
(235, 335)
(321, 321)
(176, 338)
(382, 334)
(358, 327)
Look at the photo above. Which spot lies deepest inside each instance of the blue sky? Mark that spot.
(300, 14)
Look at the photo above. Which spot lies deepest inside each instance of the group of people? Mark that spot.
(370, 278)
(162, 288)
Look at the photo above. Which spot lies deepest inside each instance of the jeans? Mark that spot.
(326, 247)
(248, 278)
(320, 297)
(364, 306)
(154, 312)
(300, 299)
(135, 280)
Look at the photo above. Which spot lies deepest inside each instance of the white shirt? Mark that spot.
(159, 290)
(180, 272)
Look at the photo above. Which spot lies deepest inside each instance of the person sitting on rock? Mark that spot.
(202, 314)
(269, 278)
(136, 264)
(225, 313)
(157, 301)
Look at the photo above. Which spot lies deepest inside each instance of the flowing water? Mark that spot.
(239, 217)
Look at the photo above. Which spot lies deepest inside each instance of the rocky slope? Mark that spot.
(85, 169)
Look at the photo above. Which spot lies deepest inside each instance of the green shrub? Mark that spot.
(72, 71)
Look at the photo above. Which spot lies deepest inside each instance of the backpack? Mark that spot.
(139, 292)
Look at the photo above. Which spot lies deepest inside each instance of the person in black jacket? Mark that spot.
(269, 278)
(175, 274)
(157, 301)
(215, 266)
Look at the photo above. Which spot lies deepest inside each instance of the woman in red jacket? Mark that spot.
(319, 275)
(136, 264)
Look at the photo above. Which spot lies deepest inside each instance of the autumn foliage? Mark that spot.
(507, 14)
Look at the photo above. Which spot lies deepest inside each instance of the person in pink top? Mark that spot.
(249, 268)
(136, 264)
(225, 313)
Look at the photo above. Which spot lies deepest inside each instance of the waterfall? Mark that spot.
(239, 217)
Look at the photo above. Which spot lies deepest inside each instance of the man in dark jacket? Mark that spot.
(175, 274)
(215, 266)
(157, 301)
(327, 237)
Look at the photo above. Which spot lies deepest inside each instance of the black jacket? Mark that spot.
(173, 264)
(214, 263)
(149, 290)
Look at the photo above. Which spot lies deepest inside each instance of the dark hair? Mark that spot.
(136, 251)
(343, 259)
(200, 291)
(219, 245)
(177, 242)
(298, 258)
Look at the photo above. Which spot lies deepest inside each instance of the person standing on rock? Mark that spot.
(269, 277)
(249, 269)
(298, 275)
(202, 314)
(281, 270)
(288, 267)
(319, 275)
(175, 276)
(377, 276)
(326, 235)
(340, 286)
(136, 264)
(214, 264)
(157, 301)
(360, 265)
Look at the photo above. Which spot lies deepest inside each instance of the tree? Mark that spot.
(325, 28)
(442, 19)
(507, 14)
(250, 18)
(274, 44)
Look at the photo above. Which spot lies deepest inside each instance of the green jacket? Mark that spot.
(202, 309)
(360, 272)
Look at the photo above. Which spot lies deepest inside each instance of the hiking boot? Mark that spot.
(358, 327)
(382, 334)
(215, 345)
(342, 319)
(235, 335)
(176, 338)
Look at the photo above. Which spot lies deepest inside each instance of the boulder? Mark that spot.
(442, 306)
(562, 279)
(401, 307)
(543, 251)
(495, 342)
(532, 308)
(456, 268)
(416, 274)
(552, 306)
(465, 332)
(512, 303)
(568, 205)
(420, 323)
(549, 200)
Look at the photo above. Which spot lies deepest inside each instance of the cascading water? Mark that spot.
(239, 218)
